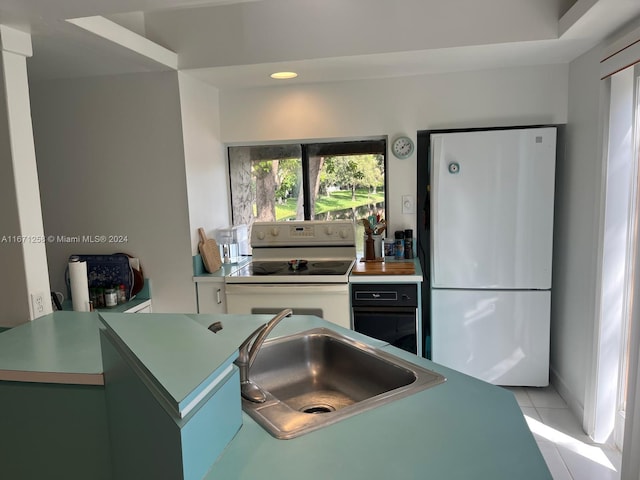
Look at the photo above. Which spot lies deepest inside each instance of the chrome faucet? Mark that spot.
(247, 355)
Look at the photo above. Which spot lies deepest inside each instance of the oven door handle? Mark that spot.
(383, 309)
(306, 288)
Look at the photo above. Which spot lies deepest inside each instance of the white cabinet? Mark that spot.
(211, 297)
(144, 307)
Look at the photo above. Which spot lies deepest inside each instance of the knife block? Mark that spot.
(369, 249)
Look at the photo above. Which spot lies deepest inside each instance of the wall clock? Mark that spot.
(402, 147)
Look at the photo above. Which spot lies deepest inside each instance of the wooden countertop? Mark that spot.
(384, 268)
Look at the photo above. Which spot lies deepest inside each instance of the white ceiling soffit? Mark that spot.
(36, 16)
(113, 32)
(597, 19)
(76, 53)
(423, 62)
(250, 40)
(292, 30)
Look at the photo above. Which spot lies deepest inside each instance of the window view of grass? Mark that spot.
(335, 201)
(338, 181)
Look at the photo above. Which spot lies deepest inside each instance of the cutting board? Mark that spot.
(383, 268)
(209, 251)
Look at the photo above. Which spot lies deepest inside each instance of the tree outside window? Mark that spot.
(320, 181)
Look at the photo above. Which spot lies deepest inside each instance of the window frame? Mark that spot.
(374, 145)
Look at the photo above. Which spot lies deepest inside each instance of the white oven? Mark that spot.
(330, 302)
(302, 265)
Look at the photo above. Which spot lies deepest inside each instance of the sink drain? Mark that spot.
(320, 408)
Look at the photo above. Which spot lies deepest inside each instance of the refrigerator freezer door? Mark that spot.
(492, 208)
(501, 337)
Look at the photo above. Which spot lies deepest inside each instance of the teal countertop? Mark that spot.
(179, 354)
(462, 429)
(143, 296)
(201, 275)
(62, 347)
(67, 305)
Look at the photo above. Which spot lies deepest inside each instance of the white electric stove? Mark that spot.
(302, 265)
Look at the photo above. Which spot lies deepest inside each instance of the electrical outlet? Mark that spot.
(408, 204)
(37, 304)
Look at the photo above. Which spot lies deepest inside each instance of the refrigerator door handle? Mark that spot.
(436, 151)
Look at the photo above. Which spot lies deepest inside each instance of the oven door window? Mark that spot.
(394, 325)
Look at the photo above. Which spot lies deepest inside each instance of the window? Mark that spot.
(316, 181)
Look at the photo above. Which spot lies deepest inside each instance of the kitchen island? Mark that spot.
(54, 419)
(461, 429)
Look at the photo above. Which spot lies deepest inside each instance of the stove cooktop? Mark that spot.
(303, 268)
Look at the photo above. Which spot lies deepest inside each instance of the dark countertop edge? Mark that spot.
(52, 377)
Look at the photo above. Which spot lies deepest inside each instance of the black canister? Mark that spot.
(408, 243)
(399, 245)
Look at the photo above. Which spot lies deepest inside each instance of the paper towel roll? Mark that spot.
(79, 286)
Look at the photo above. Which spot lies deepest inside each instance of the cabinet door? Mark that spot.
(144, 307)
(211, 297)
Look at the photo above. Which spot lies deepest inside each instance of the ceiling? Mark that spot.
(237, 44)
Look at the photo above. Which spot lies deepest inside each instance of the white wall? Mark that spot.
(578, 187)
(16, 309)
(394, 106)
(205, 158)
(22, 251)
(111, 161)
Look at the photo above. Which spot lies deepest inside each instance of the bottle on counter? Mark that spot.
(399, 235)
(110, 297)
(389, 247)
(122, 294)
(99, 303)
(408, 243)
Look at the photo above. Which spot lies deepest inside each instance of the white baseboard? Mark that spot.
(575, 404)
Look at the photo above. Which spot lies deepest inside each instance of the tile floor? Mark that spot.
(569, 452)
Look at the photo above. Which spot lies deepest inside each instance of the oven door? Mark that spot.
(395, 325)
(328, 301)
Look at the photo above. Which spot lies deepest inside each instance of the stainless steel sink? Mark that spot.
(318, 377)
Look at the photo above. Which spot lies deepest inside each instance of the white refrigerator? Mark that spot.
(491, 235)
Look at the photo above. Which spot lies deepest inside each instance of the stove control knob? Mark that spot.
(329, 230)
(261, 235)
(275, 231)
(343, 234)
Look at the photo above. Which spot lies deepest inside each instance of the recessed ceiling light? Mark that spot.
(283, 75)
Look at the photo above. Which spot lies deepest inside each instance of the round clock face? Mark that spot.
(402, 147)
